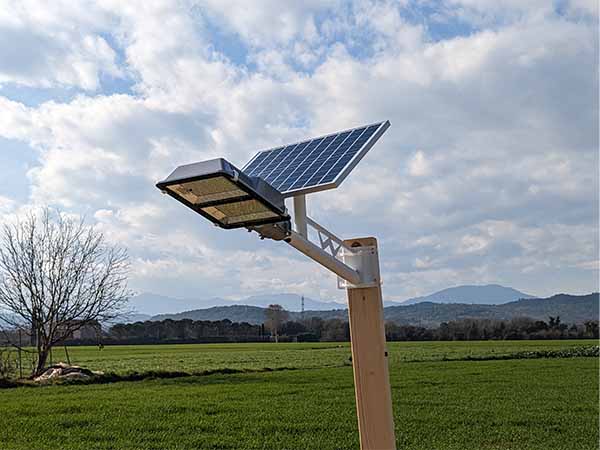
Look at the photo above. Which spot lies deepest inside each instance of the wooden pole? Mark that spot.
(370, 363)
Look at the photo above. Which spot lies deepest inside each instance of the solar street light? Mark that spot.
(254, 198)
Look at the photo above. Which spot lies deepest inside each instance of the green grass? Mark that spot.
(508, 404)
(123, 359)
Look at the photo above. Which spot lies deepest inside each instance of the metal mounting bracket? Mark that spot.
(328, 241)
(356, 267)
(365, 260)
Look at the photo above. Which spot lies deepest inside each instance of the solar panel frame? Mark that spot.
(344, 161)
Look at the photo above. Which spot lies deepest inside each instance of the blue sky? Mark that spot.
(489, 173)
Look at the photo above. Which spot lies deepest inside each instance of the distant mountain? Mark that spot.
(153, 304)
(235, 313)
(131, 318)
(291, 302)
(490, 294)
(244, 313)
(570, 308)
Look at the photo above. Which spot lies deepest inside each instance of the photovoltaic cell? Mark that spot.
(316, 164)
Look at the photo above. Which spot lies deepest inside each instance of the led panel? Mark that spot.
(207, 190)
(246, 212)
(316, 164)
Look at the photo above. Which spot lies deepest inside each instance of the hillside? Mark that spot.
(153, 304)
(244, 313)
(291, 302)
(570, 308)
(490, 294)
(235, 313)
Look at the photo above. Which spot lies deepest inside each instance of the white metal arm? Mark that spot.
(355, 266)
(316, 253)
(329, 241)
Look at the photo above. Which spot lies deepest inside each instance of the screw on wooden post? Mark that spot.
(370, 363)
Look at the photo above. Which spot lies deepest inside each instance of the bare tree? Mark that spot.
(56, 276)
(276, 316)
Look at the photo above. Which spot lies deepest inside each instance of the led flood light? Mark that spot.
(224, 195)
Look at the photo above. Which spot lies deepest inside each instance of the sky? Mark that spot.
(488, 173)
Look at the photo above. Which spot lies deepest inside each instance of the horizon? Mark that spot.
(202, 303)
(261, 294)
(283, 292)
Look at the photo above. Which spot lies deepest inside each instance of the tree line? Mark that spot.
(488, 329)
(460, 330)
(185, 330)
(315, 329)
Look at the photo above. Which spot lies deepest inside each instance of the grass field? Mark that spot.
(440, 401)
(202, 357)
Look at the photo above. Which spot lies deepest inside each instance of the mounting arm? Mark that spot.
(319, 255)
(356, 267)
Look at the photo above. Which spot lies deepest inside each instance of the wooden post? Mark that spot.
(370, 363)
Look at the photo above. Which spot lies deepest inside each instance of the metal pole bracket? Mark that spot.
(365, 260)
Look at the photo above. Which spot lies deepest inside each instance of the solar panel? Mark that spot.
(317, 164)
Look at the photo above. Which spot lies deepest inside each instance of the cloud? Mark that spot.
(6, 204)
(488, 173)
(56, 44)
(418, 165)
(266, 23)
